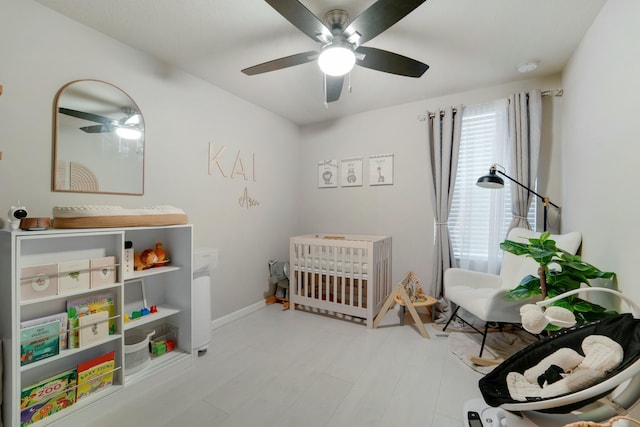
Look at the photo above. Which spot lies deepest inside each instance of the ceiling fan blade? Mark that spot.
(380, 16)
(97, 129)
(278, 64)
(333, 87)
(389, 62)
(86, 116)
(301, 17)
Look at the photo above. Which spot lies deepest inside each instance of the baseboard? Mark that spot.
(221, 321)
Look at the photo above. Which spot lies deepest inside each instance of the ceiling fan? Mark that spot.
(128, 127)
(342, 38)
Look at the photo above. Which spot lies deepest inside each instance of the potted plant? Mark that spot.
(558, 272)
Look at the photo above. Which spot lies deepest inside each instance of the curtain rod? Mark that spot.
(551, 92)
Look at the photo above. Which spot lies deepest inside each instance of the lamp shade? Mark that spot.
(491, 180)
(337, 59)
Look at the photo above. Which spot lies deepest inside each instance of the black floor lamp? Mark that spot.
(494, 181)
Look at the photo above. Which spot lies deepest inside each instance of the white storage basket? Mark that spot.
(136, 351)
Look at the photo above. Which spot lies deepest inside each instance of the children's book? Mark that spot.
(94, 328)
(103, 271)
(38, 281)
(73, 276)
(62, 317)
(89, 305)
(39, 342)
(95, 374)
(47, 397)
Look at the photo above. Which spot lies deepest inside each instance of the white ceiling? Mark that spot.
(467, 44)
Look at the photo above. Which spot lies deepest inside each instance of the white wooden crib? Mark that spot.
(346, 274)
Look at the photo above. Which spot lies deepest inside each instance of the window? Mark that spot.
(480, 217)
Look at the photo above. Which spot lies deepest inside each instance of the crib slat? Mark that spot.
(360, 279)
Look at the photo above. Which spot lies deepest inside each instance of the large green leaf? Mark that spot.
(515, 247)
(520, 293)
(530, 282)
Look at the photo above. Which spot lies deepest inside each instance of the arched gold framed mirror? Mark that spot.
(98, 140)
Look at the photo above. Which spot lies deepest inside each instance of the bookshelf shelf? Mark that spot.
(66, 296)
(168, 288)
(159, 364)
(69, 352)
(164, 311)
(151, 272)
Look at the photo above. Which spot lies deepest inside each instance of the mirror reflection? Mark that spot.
(98, 140)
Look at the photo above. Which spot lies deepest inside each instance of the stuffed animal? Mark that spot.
(279, 276)
(144, 260)
(161, 252)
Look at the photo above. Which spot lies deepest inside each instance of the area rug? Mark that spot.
(499, 345)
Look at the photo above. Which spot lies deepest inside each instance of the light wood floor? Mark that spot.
(283, 368)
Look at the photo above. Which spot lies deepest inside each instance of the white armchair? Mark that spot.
(482, 294)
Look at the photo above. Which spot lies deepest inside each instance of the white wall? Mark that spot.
(402, 210)
(42, 50)
(601, 146)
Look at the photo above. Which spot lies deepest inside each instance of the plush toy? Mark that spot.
(144, 260)
(161, 252)
(279, 276)
(535, 319)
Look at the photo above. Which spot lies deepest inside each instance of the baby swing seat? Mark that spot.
(623, 329)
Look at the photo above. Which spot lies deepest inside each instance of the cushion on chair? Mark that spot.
(487, 304)
(562, 372)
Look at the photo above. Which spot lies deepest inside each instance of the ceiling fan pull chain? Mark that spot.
(349, 81)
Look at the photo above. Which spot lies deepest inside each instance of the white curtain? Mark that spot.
(484, 142)
(525, 122)
(443, 140)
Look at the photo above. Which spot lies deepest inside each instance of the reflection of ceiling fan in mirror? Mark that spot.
(342, 42)
(128, 127)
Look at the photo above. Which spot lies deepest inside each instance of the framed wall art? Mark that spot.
(381, 169)
(327, 174)
(351, 172)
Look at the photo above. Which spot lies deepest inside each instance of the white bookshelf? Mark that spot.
(169, 288)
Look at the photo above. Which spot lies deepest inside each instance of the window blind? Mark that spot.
(479, 217)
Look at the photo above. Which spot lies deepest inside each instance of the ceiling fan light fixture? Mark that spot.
(337, 59)
(133, 120)
(128, 132)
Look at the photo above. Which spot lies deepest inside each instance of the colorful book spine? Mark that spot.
(95, 375)
(47, 397)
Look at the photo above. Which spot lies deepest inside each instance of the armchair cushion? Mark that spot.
(482, 294)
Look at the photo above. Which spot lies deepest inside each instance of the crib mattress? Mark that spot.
(100, 216)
